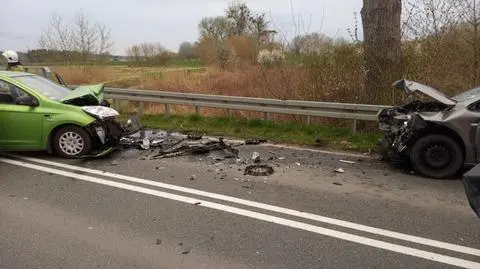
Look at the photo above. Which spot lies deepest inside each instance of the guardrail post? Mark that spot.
(354, 126)
(266, 116)
(115, 104)
(197, 110)
(167, 110)
(141, 108)
(229, 112)
(309, 120)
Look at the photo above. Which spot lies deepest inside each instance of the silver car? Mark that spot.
(439, 137)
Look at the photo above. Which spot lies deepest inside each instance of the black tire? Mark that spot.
(437, 156)
(66, 148)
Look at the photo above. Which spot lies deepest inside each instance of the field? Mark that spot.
(327, 133)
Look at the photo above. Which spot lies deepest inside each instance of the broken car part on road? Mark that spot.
(172, 144)
(437, 137)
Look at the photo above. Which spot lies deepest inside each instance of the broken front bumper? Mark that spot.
(400, 132)
(106, 134)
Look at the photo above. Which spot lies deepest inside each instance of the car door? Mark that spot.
(21, 125)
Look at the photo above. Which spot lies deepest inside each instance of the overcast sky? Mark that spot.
(168, 22)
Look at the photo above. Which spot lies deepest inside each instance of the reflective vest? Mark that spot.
(18, 68)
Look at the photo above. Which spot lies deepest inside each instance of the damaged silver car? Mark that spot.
(438, 137)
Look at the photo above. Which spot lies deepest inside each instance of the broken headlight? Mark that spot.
(100, 112)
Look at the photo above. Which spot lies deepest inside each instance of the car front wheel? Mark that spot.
(437, 156)
(71, 142)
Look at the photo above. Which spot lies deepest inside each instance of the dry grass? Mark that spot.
(336, 76)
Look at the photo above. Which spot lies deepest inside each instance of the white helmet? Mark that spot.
(12, 56)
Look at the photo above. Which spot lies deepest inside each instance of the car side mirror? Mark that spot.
(471, 183)
(26, 101)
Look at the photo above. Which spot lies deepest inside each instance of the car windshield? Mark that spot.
(464, 96)
(44, 86)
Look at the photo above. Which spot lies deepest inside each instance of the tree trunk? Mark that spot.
(382, 46)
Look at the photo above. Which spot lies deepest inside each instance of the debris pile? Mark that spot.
(176, 144)
(172, 144)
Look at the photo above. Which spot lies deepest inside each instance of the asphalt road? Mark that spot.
(202, 212)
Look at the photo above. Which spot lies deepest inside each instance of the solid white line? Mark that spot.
(264, 217)
(291, 212)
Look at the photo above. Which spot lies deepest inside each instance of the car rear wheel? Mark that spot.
(71, 142)
(437, 156)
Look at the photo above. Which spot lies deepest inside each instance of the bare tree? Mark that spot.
(85, 36)
(134, 52)
(382, 45)
(430, 18)
(105, 39)
(217, 28)
(57, 37)
(240, 16)
(82, 35)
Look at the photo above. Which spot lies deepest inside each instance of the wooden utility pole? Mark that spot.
(382, 46)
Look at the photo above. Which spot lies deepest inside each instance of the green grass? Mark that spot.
(280, 132)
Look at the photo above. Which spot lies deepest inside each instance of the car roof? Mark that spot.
(12, 74)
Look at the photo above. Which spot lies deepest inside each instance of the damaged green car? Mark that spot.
(37, 114)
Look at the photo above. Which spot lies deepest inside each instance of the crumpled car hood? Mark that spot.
(88, 95)
(411, 87)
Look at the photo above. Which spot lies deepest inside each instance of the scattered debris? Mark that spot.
(145, 143)
(345, 161)
(158, 242)
(259, 170)
(255, 141)
(197, 203)
(25, 198)
(186, 251)
(159, 168)
(339, 170)
(114, 162)
(281, 158)
(193, 177)
(256, 157)
(90, 228)
(337, 183)
(185, 146)
(298, 164)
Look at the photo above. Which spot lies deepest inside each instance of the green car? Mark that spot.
(39, 115)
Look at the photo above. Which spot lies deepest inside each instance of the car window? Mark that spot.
(9, 93)
(44, 87)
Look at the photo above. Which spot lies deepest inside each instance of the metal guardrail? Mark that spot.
(293, 107)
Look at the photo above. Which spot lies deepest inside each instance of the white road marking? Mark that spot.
(260, 216)
(287, 211)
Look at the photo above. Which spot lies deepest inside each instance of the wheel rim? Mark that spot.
(437, 156)
(71, 143)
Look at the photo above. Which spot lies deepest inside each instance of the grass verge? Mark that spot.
(279, 132)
